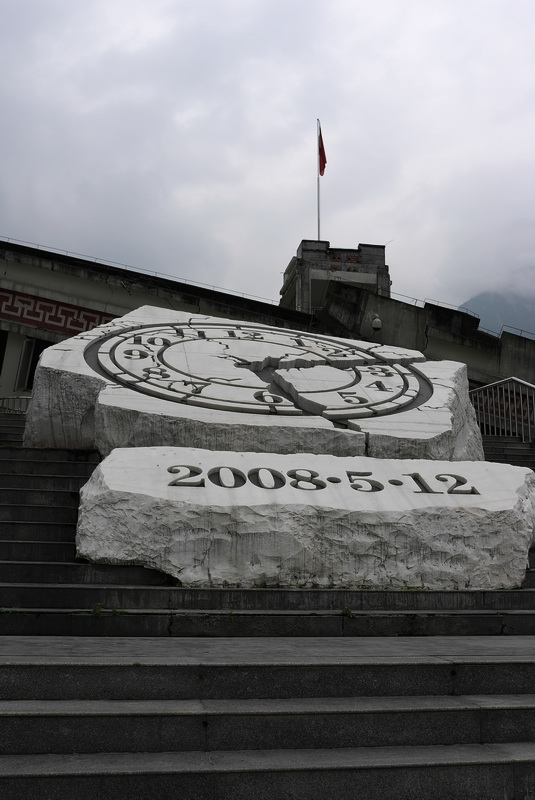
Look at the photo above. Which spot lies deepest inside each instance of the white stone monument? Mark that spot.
(257, 519)
(239, 454)
(158, 377)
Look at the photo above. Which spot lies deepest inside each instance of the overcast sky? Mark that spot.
(180, 136)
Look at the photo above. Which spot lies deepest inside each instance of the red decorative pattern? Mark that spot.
(50, 315)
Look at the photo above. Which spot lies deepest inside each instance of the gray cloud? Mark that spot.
(179, 136)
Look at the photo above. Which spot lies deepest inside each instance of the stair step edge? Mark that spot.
(77, 765)
(265, 706)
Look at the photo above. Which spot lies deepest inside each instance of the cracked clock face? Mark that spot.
(261, 370)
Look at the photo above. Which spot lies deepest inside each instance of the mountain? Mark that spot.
(496, 309)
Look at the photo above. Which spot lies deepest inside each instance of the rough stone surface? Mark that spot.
(61, 413)
(444, 427)
(128, 419)
(300, 522)
(337, 396)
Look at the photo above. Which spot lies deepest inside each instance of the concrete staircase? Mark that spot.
(264, 718)
(45, 591)
(116, 683)
(509, 450)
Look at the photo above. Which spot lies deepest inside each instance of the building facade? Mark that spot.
(46, 297)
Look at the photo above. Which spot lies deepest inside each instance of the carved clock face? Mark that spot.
(260, 370)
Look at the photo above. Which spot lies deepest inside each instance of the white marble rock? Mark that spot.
(404, 523)
(74, 406)
(444, 427)
(131, 419)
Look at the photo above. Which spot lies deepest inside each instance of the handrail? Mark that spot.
(452, 307)
(506, 408)
(414, 300)
(521, 331)
(14, 405)
(503, 380)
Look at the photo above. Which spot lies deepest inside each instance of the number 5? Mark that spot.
(357, 479)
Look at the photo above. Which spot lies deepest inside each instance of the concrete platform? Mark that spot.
(235, 718)
(305, 650)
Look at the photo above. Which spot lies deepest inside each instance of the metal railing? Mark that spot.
(506, 408)
(442, 304)
(14, 405)
(517, 331)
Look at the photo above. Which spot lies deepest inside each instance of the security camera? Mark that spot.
(376, 324)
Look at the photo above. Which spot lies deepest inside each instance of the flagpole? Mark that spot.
(318, 173)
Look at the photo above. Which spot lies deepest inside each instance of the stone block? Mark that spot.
(160, 377)
(247, 519)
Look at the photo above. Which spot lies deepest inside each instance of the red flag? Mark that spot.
(322, 158)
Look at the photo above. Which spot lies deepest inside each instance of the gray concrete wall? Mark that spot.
(440, 333)
(114, 291)
(308, 274)
(347, 310)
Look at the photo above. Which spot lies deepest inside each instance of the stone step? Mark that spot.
(12, 422)
(24, 466)
(57, 498)
(495, 437)
(238, 718)
(42, 551)
(10, 437)
(18, 512)
(38, 530)
(503, 445)
(517, 446)
(529, 580)
(42, 482)
(517, 449)
(74, 668)
(516, 462)
(516, 459)
(345, 602)
(522, 449)
(80, 572)
(458, 772)
(104, 620)
(47, 454)
(78, 726)
(11, 425)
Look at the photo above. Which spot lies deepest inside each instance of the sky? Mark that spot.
(179, 136)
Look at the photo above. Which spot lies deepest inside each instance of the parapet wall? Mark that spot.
(438, 332)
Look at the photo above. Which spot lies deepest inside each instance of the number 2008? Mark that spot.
(308, 480)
